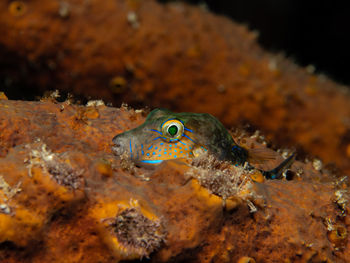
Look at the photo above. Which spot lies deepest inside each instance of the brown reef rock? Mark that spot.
(175, 56)
(64, 197)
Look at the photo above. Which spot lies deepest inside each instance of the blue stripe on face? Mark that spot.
(130, 148)
(186, 129)
(182, 143)
(156, 131)
(151, 161)
(159, 138)
(184, 135)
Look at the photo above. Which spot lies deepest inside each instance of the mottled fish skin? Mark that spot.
(148, 144)
(152, 143)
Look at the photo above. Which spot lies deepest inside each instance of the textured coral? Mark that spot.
(65, 198)
(175, 56)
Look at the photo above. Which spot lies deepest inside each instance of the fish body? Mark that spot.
(167, 135)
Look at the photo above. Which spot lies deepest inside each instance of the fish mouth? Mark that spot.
(117, 150)
(123, 144)
(119, 144)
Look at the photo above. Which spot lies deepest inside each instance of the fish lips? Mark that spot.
(120, 144)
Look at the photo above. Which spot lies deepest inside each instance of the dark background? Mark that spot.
(308, 32)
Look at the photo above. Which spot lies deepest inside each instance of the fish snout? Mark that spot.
(121, 144)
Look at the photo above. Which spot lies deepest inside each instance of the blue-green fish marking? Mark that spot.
(167, 135)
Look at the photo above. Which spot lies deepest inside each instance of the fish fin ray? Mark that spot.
(276, 173)
(260, 155)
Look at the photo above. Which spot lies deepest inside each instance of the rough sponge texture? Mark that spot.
(174, 56)
(64, 197)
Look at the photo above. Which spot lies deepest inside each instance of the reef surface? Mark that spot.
(64, 197)
(175, 56)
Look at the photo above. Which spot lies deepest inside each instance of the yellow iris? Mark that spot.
(173, 129)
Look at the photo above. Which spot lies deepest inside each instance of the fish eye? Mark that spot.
(173, 129)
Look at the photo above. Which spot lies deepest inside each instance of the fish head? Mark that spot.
(167, 135)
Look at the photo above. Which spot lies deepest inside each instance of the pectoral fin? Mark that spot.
(276, 173)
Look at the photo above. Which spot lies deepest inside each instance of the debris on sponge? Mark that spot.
(133, 20)
(137, 232)
(317, 164)
(223, 179)
(7, 190)
(51, 96)
(130, 230)
(6, 193)
(95, 103)
(342, 199)
(54, 164)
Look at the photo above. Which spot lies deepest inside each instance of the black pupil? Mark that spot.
(172, 130)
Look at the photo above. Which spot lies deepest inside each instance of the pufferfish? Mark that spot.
(167, 135)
